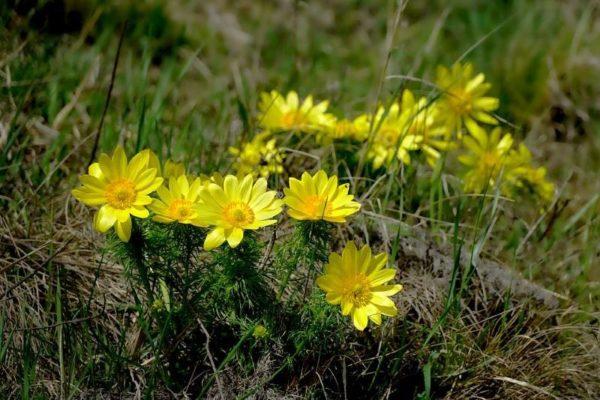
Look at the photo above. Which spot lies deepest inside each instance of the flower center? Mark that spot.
(292, 119)
(238, 214)
(180, 209)
(121, 194)
(359, 291)
(489, 160)
(460, 101)
(317, 206)
(388, 135)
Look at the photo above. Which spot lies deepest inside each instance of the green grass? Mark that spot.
(187, 86)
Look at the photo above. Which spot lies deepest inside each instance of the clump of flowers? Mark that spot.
(120, 189)
(186, 216)
(226, 207)
(358, 282)
(414, 126)
(319, 197)
(463, 101)
(259, 157)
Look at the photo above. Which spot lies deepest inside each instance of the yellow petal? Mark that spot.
(380, 277)
(214, 239)
(123, 229)
(375, 318)
(104, 219)
(381, 300)
(140, 212)
(347, 307)
(386, 290)
(89, 198)
(119, 160)
(96, 171)
(360, 319)
(235, 237)
(230, 187)
(137, 163)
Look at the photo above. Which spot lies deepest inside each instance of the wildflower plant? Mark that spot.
(120, 189)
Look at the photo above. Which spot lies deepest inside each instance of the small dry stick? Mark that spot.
(211, 360)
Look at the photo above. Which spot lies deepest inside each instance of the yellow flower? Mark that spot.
(120, 189)
(463, 100)
(335, 129)
(426, 124)
(179, 202)
(279, 113)
(523, 177)
(395, 132)
(235, 206)
(171, 169)
(357, 281)
(258, 157)
(319, 198)
(486, 158)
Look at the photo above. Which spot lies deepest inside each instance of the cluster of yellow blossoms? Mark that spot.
(454, 119)
(227, 207)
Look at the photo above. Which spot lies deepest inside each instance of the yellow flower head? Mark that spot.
(336, 129)
(426, 123)
(235, 206)
(171, 169)
(396, 132)
(523, 177)
(319, 198)
(279, 113)
(258, 157)
(357, 281)
(120, 189)
(463, 100)
(486, 158)
(179, 202)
